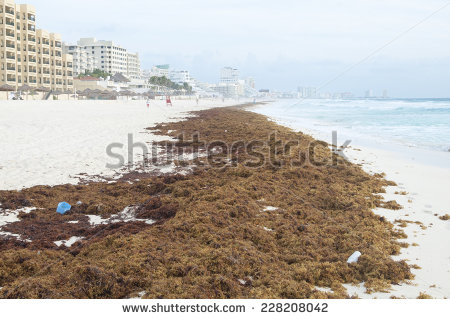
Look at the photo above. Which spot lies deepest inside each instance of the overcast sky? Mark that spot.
(281, 43)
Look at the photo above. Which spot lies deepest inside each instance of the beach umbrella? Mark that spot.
(57, 92)
(42, 89)
(123, 93)
(25, 88)
(7, 88)
(68, 92)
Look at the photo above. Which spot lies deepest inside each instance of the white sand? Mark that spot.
(8, 216)
(68, 243)
(127, 215)
(269, 209)
(50, 142)
(425, 176)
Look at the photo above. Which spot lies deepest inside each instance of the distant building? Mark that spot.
(104, 55)
(385, 94)
(133, 66)
(250, 82)
(307, 92)
(369, 94)
(228, 89)
(160, 70)
(229, 75)
(82, 60)
(180, 77)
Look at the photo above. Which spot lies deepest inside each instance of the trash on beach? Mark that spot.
(354, 257)
(63, 208)
(79, 203)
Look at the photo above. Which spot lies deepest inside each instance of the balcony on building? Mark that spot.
(32, 38)
(9, 22)
(31, 17)
(10, 33)
(45, 61)
(10, 44)
(9, 10)
(11, 66)
(10, 56)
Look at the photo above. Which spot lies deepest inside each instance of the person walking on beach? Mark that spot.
(168, 101)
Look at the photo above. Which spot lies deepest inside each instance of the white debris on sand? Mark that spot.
(270, 209)
(73, 222)
(69, 242)
(267, 229)
(127, 215)
(354, 257)
(242, 282)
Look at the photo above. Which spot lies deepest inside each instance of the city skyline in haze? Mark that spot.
(283, 44)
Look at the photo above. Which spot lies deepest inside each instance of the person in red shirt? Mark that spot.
(168, 101)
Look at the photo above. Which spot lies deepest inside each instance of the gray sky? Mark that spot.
(283, 43)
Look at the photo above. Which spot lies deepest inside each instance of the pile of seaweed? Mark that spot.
(233, 231)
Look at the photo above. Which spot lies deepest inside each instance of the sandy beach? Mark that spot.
(52, 142)
(423, 181)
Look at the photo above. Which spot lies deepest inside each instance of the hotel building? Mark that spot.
(105, 56)
(30, 56)
(229, 75)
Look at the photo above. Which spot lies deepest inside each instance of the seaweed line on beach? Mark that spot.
(219, 232)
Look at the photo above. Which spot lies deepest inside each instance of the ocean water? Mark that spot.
(387, 123)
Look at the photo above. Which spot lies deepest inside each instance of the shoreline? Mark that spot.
(425, 182)
(268, 232)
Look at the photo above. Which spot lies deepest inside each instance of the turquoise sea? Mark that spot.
(415, 123)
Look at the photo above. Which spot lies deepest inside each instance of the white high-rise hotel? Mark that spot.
(89, 54)
(229, 75)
